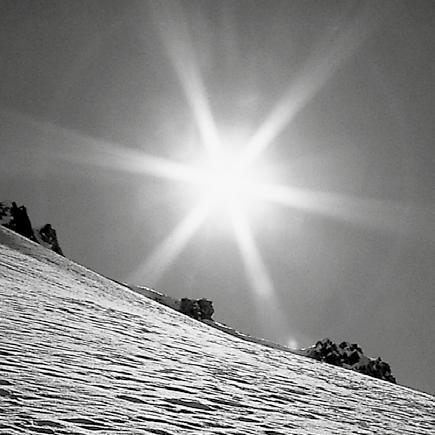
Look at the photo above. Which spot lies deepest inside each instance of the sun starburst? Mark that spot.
(229, 177)
(226, 182)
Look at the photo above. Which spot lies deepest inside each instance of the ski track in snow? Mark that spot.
(80, 354)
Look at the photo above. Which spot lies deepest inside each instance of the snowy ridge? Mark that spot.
(81, 354)
(175, 304)
(161, 298)
(346, 355)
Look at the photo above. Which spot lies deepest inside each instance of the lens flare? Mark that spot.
(332, 53)
(256, 270)
(225, 183)
(179, 47)
(164, 254)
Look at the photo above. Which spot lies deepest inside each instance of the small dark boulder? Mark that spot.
(191, 308)
(201, 309)
(206, 308)
(48, 235)
(353, 358)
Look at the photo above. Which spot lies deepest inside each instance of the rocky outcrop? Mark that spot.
(207, 309)
(47, 236)
(200, 309)
(349, 356)
(17, 219)
(345, 355)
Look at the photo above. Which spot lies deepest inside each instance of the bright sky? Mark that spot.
(275, 157)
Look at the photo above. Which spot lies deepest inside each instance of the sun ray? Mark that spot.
(167, 251)
(120, 158)
(265, 297)
(330, 55)
(64, 144)
(256, 270)
(386, 215)
(178, 43)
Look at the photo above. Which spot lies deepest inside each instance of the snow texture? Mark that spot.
(347, 355)
(81, 354)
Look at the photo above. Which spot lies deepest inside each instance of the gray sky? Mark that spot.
(88, 87)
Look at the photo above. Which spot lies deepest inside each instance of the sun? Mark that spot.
(226, 183)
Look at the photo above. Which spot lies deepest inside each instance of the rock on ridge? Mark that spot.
(47, 237)
(349, 356)
(346, 355)
(199, 309)
(17, 219)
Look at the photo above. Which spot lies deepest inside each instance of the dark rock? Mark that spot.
(206, 308)
(200, 309)
(48, 235)
(353, 358)
(378, 369)
(16, 219)
(20, 222)
(191, 308)
(349, 356)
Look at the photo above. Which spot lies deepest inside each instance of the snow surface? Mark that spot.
(175, 304)
(80, 354)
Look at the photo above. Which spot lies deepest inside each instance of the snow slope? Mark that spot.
(80, 354)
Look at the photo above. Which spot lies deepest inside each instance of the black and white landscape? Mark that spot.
(81, 354)
(217, 216)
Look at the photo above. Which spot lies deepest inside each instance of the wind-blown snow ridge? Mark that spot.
(81, 354)
(346, 355)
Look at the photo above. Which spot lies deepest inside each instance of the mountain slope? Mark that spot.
(81, 354)
(347, 355)
(16, 219)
